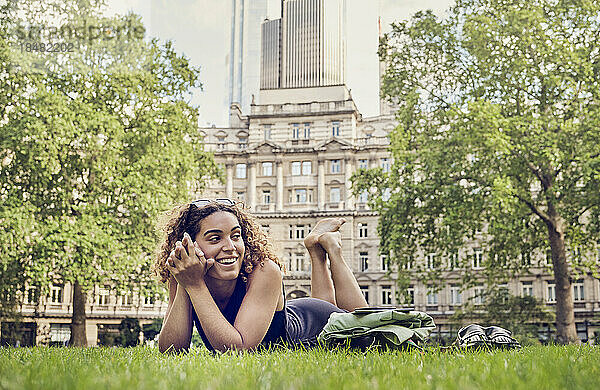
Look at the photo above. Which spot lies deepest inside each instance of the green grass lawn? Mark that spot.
(119, 368)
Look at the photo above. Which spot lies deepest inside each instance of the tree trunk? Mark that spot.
(565, 315)
(78, 333)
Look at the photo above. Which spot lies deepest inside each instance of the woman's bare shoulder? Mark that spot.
(268, 270)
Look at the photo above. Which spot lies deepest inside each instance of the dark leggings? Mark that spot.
(306, 318)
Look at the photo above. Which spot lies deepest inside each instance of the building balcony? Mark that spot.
(95, 310)
(265, 208)
(372, 141)
(306, 206)
(302, 108)
(301, 181)
(334, 206)
(297, 275)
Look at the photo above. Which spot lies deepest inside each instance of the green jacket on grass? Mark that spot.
(389, 327)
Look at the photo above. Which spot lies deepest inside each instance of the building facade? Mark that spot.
(46, 320)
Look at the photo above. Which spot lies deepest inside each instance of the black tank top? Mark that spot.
(275, 333)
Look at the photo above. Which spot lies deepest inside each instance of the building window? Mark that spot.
(478, 295)
(300, 195)
(477, 261)
(383, 259)
(336, 166)
(363, 164)
(578, 292)
(432, 296)
(455, 295)
(266, 196)
(365, 292)
(526, 258)
(298, 232)
(306, 168)
(550, 292)
(240, 171)
(220, 143)
(454, 264)
(149, 300)
(267, 132)
(431, 261)
(363, 197)
(295, 130)
(103, 296)
(576, 254)
(243, 142)
(56, 293)
(296, 168)
(306, 130)
(385, 164)
(364, 261)
(125, 300)
(334, 194)
(363, 230)
(527, 289)
(386, 295)
(410, 292)
(335, 128)
(297, 262)
(60, 333)
(501, 259)
(267, 169)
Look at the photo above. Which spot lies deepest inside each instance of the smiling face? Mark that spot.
(220, 238)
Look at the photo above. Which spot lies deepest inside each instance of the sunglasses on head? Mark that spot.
(204, 202)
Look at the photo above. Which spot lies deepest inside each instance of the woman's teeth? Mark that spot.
(227, 261)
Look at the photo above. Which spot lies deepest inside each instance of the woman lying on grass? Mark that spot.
(224, 278)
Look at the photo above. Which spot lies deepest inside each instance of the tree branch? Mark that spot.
(536, 210)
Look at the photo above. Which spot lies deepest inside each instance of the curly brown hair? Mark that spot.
(187, 218)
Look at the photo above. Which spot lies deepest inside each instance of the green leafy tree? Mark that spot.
(497, 140)
(94, 143)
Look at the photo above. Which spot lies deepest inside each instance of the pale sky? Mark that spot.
(200, 29)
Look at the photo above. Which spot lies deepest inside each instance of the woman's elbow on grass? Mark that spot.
(171, 346)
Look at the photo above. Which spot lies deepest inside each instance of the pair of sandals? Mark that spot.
(476, 336)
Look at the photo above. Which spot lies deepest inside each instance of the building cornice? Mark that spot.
(303, 114)
(314, 214)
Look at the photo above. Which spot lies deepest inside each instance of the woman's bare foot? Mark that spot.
(331, 241)
(323, 226)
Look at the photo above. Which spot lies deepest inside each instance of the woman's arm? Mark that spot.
(176, 332)
(254, 317)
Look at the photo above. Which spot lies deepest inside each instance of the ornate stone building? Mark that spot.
(291, 165)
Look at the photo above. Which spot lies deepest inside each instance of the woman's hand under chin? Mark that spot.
(187, 263)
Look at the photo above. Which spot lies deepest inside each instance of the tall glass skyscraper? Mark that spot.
(244, 50)
(306, 47)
